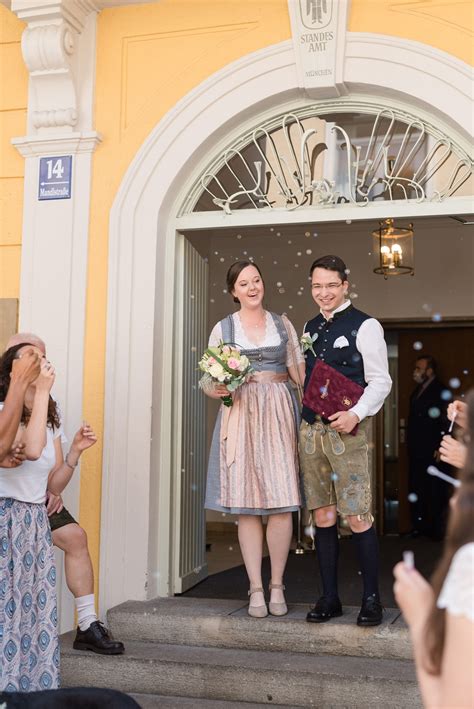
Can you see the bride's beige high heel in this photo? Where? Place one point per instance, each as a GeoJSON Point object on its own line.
{"type": "Point", "coordinates": [277, 608]}
{"type": "Point", "coordinates": [257, 611]}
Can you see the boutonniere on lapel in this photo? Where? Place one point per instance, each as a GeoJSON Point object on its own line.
{"type": "Point", "coordinates": [307, 341]}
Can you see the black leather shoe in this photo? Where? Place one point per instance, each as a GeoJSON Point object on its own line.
{"type": "Point", "coordinates": [370, 613]}
{"type": "Point", "coordinates": [97, 639]}
{"type": "Point", "coordinates": [324, 610]}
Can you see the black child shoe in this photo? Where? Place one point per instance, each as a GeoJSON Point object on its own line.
{"type": "Point", "coordinates": [371, 612]}
{"type": "Point", "coordinates": [324, 610]}
{"type": "Point", "coordinates": [97, 639]}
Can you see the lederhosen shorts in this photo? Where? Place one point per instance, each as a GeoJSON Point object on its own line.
{"type": "Point", "coordinates": [335, 468]}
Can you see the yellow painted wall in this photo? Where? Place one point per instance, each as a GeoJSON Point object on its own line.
{"type": "Point", "coordinates": [13, 102]}
{"type": "Point", "coordinates": [444, 24]}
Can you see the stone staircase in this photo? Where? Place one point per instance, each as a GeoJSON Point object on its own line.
{"type": "Point", "coordinates": [189, 652]}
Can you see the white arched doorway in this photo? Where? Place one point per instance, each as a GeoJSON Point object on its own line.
{"type": "Point", "coordinates": [137, 524]}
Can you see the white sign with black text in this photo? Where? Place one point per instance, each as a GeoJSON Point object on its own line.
{"type": "Point", "coordinates": [319, 34]}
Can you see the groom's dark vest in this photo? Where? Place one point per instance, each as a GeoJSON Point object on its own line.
{"type": "Point", "coordinates": [347, 359]}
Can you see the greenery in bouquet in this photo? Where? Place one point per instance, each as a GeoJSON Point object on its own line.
{"type": "Point", "coordinates": [224, 364]}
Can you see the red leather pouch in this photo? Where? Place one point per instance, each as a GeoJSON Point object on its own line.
{"type": "Point", "coordinates": [329, 391]}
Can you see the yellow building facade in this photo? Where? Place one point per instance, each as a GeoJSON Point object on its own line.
{"type": "Point", "coordinates": [130, 70]}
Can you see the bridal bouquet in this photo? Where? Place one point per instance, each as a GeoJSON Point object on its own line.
{"type": "Point", "coordinates": [226, 365]}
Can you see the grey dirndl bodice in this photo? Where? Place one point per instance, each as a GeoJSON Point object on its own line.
{"type": "Point", "coordinates": [263, 358]}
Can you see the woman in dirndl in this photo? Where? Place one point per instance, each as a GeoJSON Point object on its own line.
{"type": "Point", "coordinates": [253, 464]}
{"type": "Point", "coordinates": [29, 647]}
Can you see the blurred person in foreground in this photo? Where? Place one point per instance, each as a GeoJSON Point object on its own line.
{"type": "Point", "coordinates": [440, 615]}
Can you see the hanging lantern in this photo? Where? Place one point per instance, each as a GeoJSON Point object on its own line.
{"type": "Point", "coordinates": [393, 249]}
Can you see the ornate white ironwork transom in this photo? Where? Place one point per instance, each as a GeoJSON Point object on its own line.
{"type": "Point", "coordinates": [330, 155]}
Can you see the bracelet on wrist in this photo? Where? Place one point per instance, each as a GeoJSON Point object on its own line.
{"type": "Point", "coordinates": [70, 465]}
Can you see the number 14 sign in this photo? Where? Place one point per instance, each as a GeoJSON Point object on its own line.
{"type": "Point", "coordinates": [55, 177]}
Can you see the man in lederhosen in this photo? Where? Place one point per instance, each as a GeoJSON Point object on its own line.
{"type": "Point", "coordinates": [334, 463]}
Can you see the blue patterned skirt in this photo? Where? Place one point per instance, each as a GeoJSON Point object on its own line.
{"type": "Point", "coordinates": [29, 645]}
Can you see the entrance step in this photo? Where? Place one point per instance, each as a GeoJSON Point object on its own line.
{"type": "Point", "coordinates": [226, 624]}
{"type": "Point", "coordinates": [258, 676]}
{"type": "Point", "coordinates": [151, 701]}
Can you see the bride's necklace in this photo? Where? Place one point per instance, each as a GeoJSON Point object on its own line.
{"type": "Point", "coordinates": [261, 322]}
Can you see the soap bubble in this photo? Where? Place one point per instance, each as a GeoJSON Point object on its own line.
{"type": "Point", "coordinates": [434, 412]}
{"type": "Point", "coordinates": [334, 476]}
{"type": "Point", "coordinates": [426, 307]}
{"type": "Point", "coordinates": [224, 290]}
{"type": "Point", "coordinates": [465, 371]}
{"type": "Point", "coordinates": [298, 253]}
{"type": "Point", "coordinates": [290, 307]}
{"type": "Point", "coordinates": [296, 265]}
{"type": "Point", "coordinates": [221, 259]}
{"type": "Point", "coordinates": [354, 333]}
{"type": "Point", "coordinates": [412, 497]}
{"type": "Point", "coordinates": [299, 293]}
{"type": "Point", "coordinates": [289, 241]}
{"type": "Point", "coordinates": [446, 395]}
{"type": "Point", "coordinates": [309, 252]}
{"type": "Point", "coordinates": [347, 271]}
{"type": "Point", "coordinates": [245, 253]}
{"type": "Point", "coordinates": [239, 236]}
{"type": "Point", "coordinates": [216, 253]}
{"type": "Point", "coordinates": [192, 295]}
{"type": "Point", "coordinates": [437, 317]}
{"type": "Point", "coordinates": [354, 295]}
{"type": "Point", "coordinates": [454, 383]}
{"type": "Point", "coordinates": [306, 233]}
{"type": "Point", "coordinates": [275, 263]}
{"type": "Point", "coordinates": [281, 290]}
{"type": "Point", "coordinates": [279, 234]}
{"type": "Point", "coordinates": [417, 345]}
{"type": "Point", "coordinates": [193, 348]}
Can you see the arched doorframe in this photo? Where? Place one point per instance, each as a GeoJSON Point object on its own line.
{"type": "Point", "coordinates": [135, 559]}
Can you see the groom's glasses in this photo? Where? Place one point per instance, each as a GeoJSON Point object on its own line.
{"type": "Point", "coordinates": [317, 287]}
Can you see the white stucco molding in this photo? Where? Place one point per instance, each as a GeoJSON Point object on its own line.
{"type": "Point", "coordinates": [437, 84]}
{"type": "Point", "coordinates": [138, 437]}
{"type": "Point", "coordinates": [72, 143]}
{"type": "Point", "coordinates": [53, 51]}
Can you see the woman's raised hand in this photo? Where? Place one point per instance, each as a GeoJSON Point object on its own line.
{"type": "Point", "coordinates": [84, 438]}
{"type": "Point", "coordinates": [46, 377]}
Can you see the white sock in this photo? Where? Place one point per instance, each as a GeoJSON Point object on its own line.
{"type": "Point", "coordinates": [85, 608]}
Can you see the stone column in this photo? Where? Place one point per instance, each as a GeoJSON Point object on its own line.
{"type": "Point", "coordinates": [58, 46]}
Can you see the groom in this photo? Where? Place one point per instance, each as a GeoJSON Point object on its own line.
{"type": "Point", "coordinates": [334, 463]}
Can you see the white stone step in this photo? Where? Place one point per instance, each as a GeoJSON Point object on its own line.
{"type": "Point", "coordinates": [226, 624]}
{"type": "Point", "coordinates": [215, 673]}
